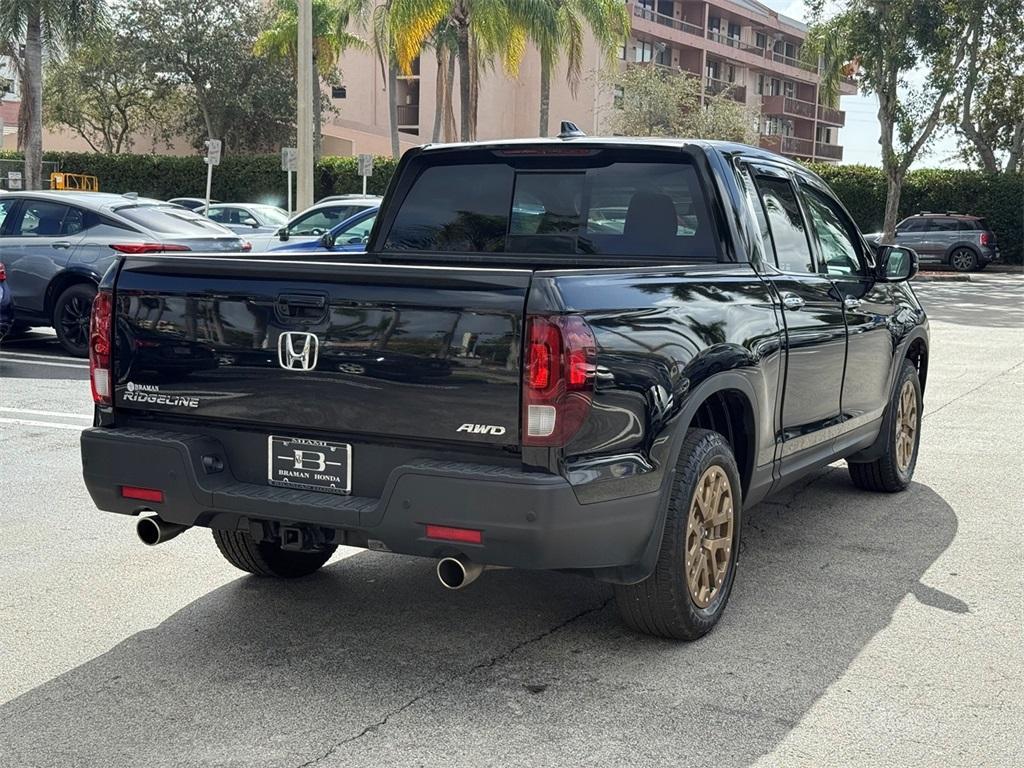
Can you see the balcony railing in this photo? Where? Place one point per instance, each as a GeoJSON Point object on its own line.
{"type": "Point", "coordinates": [829, 151]}
{"type": "Point", "coordinates": [788, 145]}
{"type": "Point", "coordinates": [734, 42]}
{"type": "Point", "coordinates": [787, 105]}
{"type": "Point", "coordinates": [832, 116]}
{"type": "Point", "coordinates": [648, 14]}
{"type": "Point", "coordinates": [714, 87]}
{"type": "Point", "coordinates": [782, 58]}
{"type": "Point", "coordinates": [408, 115]}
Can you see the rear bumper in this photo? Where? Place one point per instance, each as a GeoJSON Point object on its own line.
{"type": "Point", "coordinates": [528, 520]}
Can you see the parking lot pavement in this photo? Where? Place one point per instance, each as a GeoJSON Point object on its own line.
{"type": "Point", "coordinates": [864, 629]}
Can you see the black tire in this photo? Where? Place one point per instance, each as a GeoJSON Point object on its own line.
{"type": "Point", "coordinates": [963, 259]}
{"type": "Point", "coordinates": [71, 318]}
{"type": "Point", "coordinates": [264, 558]}
{"type": "Point", "coordinates": [662, 604]}
{"type": "Point", "coordinates": [888, 473]}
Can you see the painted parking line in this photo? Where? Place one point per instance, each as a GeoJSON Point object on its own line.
{"type": "Point", "coordinates": [58, 358]}
{"type": "Point", "coordinates": [33, 423]}
{"type": "Point", "coordinates": [61, 414]}
{"type": "Point", "coordinates": [23, 361]}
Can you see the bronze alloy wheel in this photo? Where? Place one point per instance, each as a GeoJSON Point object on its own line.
{"type": "Point", "coordinates": [906, 426]}
{"type": "Point", "coordinates": [709, 534]}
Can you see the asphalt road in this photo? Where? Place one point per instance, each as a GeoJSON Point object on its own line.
{"type": "Point", "coordinates": [864, 630]}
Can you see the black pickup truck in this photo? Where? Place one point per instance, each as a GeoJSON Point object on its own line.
{"type": "Point", "coordinates": [584, 355]}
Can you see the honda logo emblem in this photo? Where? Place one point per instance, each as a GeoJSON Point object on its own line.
{"type": "Point", "coordinates": [297, 351]}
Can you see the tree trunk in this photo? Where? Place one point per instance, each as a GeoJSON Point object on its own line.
{"type": "Point", "coordinates": [894, 189]}
{"type": "Point", "coordinates": [393, 106]}
{"type": "Point", "coordinates": [440, 87]}
{"type": "Point", "coordinates": [545, 94]}
{"type": "Point", "coordinates": [449, 109]}
{"type": "Point", "coordinates": [1015, 160]}
{"type": "Point", "coordinates": [33, 95]}
{"type": "Point", "coordinates": [465, 77]}
{"type": "Point", "coordinates": [318, 115]}
{"type": "Point", "coordinates": [474, 86]}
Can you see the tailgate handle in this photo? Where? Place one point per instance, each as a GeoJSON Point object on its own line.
{"type": "Point", "coordinates": [305, 307]}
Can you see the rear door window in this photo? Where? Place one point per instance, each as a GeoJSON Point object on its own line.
{"type": "Point", "coordinates": [575, 204]}
{"type": "Point", "coordinates": [942, 225]}
{"type": "Point", "coordinates": [43, 218]}
{"type": "Point", "coordinates": [785, 221]}
{"type": "Point", "coordinates": [170, 220]}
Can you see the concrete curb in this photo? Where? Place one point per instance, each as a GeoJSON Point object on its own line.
{"type": "Point", "coordinates": [941, 277]}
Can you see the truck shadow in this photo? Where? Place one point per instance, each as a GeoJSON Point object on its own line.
{"type": "Point", "coordinates": [371, 662]}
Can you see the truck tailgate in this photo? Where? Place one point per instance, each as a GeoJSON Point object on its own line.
{"type": "Point", "coordinates": [317, 345]}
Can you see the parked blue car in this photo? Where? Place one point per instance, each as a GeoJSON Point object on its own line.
{"type": "Point", "coordinates": [6, 305]}
{"type": "Point", "coordinates": [350, 235]}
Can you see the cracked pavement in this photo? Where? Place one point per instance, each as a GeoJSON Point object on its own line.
{"type": "Point", "coordinates": [864, 629]}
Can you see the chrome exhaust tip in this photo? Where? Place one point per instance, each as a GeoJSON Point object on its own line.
{"type": "Point", "coordinates": [152, 530]}
{"type": "Point", "coordinates": [457, 572]}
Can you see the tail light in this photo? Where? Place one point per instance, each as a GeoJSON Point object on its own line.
{"type": "Point", "coordinates": [3, 272]}
{"type": "Point", "coordinates": [246, 246]}
{"type": "Point", "coordinates": [986, 238]}
{"type": "Point", "coordinates": [558, 378]}
{"type": "Point", "coordinates": [135, 248]}
{"type": "Point", "coordinates": [100, 344]}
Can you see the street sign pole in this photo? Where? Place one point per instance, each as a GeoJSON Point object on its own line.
{"type": "Point", "coordinates": [365, 168]}
{"type": "Point", "coordinates": [213, 147]}
{"type": "Point", "coordinates": [289, 206]}
{"type": "Point", "coordinates": [289, 163]}
{"type": "Point", "coordinates": [304, 107]}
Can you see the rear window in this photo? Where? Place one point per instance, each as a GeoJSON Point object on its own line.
{"type": "Point", "coordinates": [584, 204]}
{"type": "Point", "coordinates": [170, 220]}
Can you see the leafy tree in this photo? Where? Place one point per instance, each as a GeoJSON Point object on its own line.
{"type": "Point", "coordinates": [987, 112]}
{"type": "Point", "coordinates": [330, 38]}
{"type": "Point", "coordinates": [104, 94]}
{"type": "Point", "coordinates": [560, 26]}
{"type": "Point", "coordinates": [53, 25]}
{"type": "Point", "coordinates": [205, 49]}
{"type": "Point", "coordinates": [654, 101]}
{"type": "Point", "coordinates": [882, 42]}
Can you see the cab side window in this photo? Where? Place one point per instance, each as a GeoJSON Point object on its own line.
{"type": "Point", "coordinates": [837, 239]}
{"type": "Point", "coordinates": [788, 230]}
{"type": "Point", "coordinates": [42, 218]}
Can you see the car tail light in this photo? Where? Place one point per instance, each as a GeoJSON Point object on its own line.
{"type": "Point", "coordinates": [100, 339]}
{"type": "Point", "coordinates": [3, 272]}
{"type": "Point", "coordinates": [462, 535]}
{"type": "Point", "coordinates": [986, 238]}
{"type": "Point", "coordinates": [142, 494]}
{"type": "Point", "coordinates": [134, 248]}
{"type": "Point", "coordinates": [246, 246]}
{"type": "Point", "coordinates": [558, 378]}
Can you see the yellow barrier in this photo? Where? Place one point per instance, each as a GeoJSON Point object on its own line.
{"type": "Point", "coordinates": [79, 181]}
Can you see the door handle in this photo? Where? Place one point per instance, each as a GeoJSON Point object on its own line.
{"type": "Point", "coordinates": [851, 303]}
{"type": "Point", "coordinates": [60, 244]}
{"type": "Point", "coordinates": [792, 302]}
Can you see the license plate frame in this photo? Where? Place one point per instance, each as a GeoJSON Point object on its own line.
{"type": "Point", "coordinates": [308, 464]}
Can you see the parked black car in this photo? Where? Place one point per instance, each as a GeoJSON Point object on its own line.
{"type": "Point", "coordinates": [57, 245]}
{"type": "Point", "coordinates": [635, 341]}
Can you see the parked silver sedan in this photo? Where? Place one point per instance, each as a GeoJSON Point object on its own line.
{"type": "Point", "coordinates": [248, 218]}
{"type": "Point", "coordinates": [56, 247]}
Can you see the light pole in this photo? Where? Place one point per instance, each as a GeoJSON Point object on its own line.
{"type": "Point", "coordinates": [304, 175]}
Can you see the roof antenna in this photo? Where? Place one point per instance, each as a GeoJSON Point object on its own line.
{"type": "Point", "coordinates": [570, 131]}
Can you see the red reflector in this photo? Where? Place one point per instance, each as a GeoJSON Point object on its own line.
{"type": "Point", "coordinates": [985, 238]}
{"type": "Point", "coordinates": [464, 535]}
{"type": "Point", "coordinates": [142, 494]}
{"type": "Point", "coordinates": [3, 272]}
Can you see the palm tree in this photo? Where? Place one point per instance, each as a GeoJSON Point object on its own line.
{"type": "Point", "coordinates": [561, 27]}
{"type": "Point", "coordinates": [52, 25]}
{"type": "Point", "coordinates": [483, 31]}
{"type": "Point", "coordinates": [330, 39]}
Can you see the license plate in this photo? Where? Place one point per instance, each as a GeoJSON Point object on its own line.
{"type": "Point", "coordinates": [309, 465]}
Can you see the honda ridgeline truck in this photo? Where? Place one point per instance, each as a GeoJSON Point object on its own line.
{"type": "Point", "coordinates": [583, 355]}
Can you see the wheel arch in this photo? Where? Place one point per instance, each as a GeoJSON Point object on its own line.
{"type": "Point", "coordinates": [63, 281]}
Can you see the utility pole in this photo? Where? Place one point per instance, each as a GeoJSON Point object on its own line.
{"type": "Point", "coordinates": [304, 180]}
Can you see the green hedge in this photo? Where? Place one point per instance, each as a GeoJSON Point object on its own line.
{"type": "Point", "coordinates": [997, 197]}
{"type": "Point", "coordinates": [256, 178]}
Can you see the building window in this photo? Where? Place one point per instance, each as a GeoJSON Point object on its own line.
{"type": "Point", "coordinates": [734, 31]}
{"type": "Point", "coordinates": [339, 92]}
{"type": "Point", "coordinates": [776, 87]}
{"type": "Point", "coordinates": [824, 134]}
{"type": "Point", "coordinates": [730, 73]}
{"type": "Point", "coordinates": [714, 23]}
{"type": "Point", "coordinates": [761, 40]}
{"type": "Point", "coordinates": [622, 52]}
{"type": "Point", "coordinates": [788, 88]}
{"type": "Point", "coordinates": [714, 70]}
{"type": "Point", "coordinates": [644, 50]}
{"type": "Point", "coordinates": [760, 85]}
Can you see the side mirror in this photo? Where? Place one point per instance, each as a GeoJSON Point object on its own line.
{"type": "Point", "coordinates": [283, 233]}
{"type": "Point", "coordinates": [251, 223]}
{"type": "Point", "coordinates": [895, 263]}
{"type": "Point", "coordinates": [327, 241]}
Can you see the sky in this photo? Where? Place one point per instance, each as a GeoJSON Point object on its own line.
{"type": "Point", "coordinates": [859, 136]}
